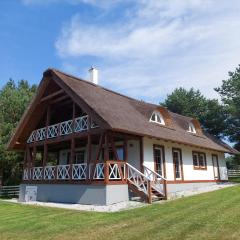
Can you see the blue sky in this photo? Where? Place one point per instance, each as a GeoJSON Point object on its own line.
{"type": "Point", "coordinates": [142, 48]}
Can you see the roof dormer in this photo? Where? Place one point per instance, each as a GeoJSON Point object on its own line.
{"type": "Point", "coordinates": [157, 118]}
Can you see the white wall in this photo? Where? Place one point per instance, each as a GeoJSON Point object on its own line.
{"type": "Point", "coordinates": [188, 171]}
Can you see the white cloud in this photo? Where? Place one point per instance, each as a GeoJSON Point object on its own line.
{"type": "Point", "coordinates": [159, 46]}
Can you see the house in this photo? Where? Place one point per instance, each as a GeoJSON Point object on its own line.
{"type": "Point", "coordinates": [86, 144]}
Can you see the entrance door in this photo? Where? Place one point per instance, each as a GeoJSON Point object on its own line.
{"type": "Point", "coordinates": [159, 159]}
{"type": "Point", "coordinates": [177, 164]}
{"type": "Point", "coordinates": [215, 167]}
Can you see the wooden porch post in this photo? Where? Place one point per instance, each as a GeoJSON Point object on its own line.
{"type": "Point", "coordinates": [141, 155]}
{"type": "Point", "coordinates": [29, 162]}
{"type": "Point", "coordinates": [72, 154]}
{"type": "Point", "coordinates": [34, 156]}
{"type": "Point", "coordinates": [106, 158]}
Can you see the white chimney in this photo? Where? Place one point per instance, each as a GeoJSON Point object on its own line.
{"type": "Point", "coordinates": [93, 75]}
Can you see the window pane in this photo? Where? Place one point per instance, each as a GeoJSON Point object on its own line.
{"type": "Point", "coordinates": [79, 157]}
{"type": "Point", "coordinates": [120, 153]}
{"type": "Point", "coordinates": [195, 160]}
{"type": "Point", "coordinates": [153, 117]}
{"type": "Point", "coordinates": [158, 160]}
{"type": "Point", "coordinates": [201, 160]}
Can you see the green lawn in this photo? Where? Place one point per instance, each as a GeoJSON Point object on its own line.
{"type": "Point", "coordinates": [214, 215]}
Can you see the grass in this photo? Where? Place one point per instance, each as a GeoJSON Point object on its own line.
{"type": "Point", "coordinates": [214, 215]}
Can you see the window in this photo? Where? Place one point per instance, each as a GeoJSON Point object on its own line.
{"type": "Point", "coordinates": [199, 161]}
{"type": "Point", "coordinates": [158, 152]}
{"type": "Point", "coordinates": [177, 163]}
{"type": "Point", "coordinates": [191, 128]}
{"type": "Point", "coordinates": [79, 157]}
{"type": "Point", "coordinates": [119, 151]}
{"type": "Point", "coordinates": [157, 118]}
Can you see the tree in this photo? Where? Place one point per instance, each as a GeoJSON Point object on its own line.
{"type": "Point", "coordinates": [14, 99]}
{"type": "Point", "coordinates": [230, 95]}
{"type": "Point", "coordinates": [192, 103]}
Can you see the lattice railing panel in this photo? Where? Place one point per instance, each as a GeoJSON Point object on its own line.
{"type": "Point", "coordinates": [37, 173]}
{"type": "Point", "coordinates": [81, 124]}
{"type": "Point", "coordinates": [49, 172]}
{"type": "Point", "coordinates": [53, 131]}
{"type": "Point", "coordinates": [79, 171]}
{"type": "Point", "coordinates": [99, 171]}
{"type": "Point", "coordinates": [63, 172]}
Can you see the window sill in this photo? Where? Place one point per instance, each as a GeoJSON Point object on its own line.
{"type": "Point", "coordinates": [200, 168]}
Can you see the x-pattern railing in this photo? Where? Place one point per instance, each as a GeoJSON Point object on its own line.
{"type": "Point", "coordinates": [52, 131]}
{"type": "Point", "coordinates": [99, 171]}
{"type": "Point", "coordinates": [138, 179]}
{"type": "Point", "coordinates": [63, 172]}
{"type": "Point", "coordinates": [37, 173]}
{"type": "Point", "coordinates": [25, 174]}
{"type": "Point", "coordinates": [49, 172]}
{"type": "Point", "coordinates": [40, 134]}
{"type": "Point", "coordinates": [79, 171]}
{"type": "Point", "coordinates": [114, 171]}
{"type": "Point", "coordinates": [158, 181]}
{"type": "Point", "coordinates": [66, 127]}
{"type": "Point", "coordinates": [79, 124]}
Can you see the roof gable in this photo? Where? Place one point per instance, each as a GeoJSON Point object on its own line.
{"type": "Point", "coordinates": [115, 111]}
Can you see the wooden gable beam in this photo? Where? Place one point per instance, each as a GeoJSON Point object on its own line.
{"type": "Point", "coordinates": [59, 99]}
{"type": "Point", "coordinates": [52, 95]}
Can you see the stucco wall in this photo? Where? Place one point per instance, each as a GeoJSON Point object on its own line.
{"type": "Point", "coordinates": [83, 194]}
{"type": "Point", "coordinates": [188, 171]}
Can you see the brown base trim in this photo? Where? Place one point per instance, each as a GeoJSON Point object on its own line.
{"type": "Point", "coordinates": [77, 182]}
{"type": "Point", "coordinates": [194, 181]}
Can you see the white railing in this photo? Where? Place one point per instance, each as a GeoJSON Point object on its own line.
{"type": "Point", "coordinates": [79, 171]}
{"type": "Point", "coordinates": [40, 134]}
{"type": "Point", "coordinates": [25, 174]}
{"type": "Point", "coordinates": [138, 179]}
{"type": "Point", "coordinates": [66, 127]}
{"type": "Point", "coordinates": [79, 124]}
{"type": "Point", "coordinates": [158, 181]}
{"type": "Point", "coordinates": [99, 171]}
{"type": "Point", "coordinates": [63, 172]}
{"type": "Point", "coordinates": [49, 172]}
{"type": "Point", "coordinates": [52, 131]}
{"type": "Point", "coordinates": [37, 173]}
{"type": "Point", "coordinates": [114, 171]}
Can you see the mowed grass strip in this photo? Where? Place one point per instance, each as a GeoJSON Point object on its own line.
{"type": "Point", "coordinates": [214, 215]}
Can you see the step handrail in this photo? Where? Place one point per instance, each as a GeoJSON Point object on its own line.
{"type": "Point", "coordinates": [136, 170]}
{"type": "Point", "coordinates": [155, 173]}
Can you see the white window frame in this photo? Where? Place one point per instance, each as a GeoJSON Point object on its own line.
{"type": "Point", "coordinates": [191, 128]}
{"type": "Point", "coordinates": [156, 115]}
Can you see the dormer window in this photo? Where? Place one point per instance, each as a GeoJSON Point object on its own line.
{"type": "Point", "coordinates": [191, 128]}
{"type": "Point", "coordinates": [157, 118]}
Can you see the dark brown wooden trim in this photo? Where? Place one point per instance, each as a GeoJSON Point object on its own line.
{"type": "Point", "coordinates": [125, 147]}
{"type": "Point", "coordinates": [219, 177]}
{"type": "Point", "coordinates": [141, 154]}
{"type": "Point", "coordinates": [79, 182]}
{"type": "Point", "coordinates": [52, 95]}
{"type": "Point", "coordinates": [154, 158]}
{"type": "Point", "coordinates": [194, 181]}
{"type": "Point", "coordinates": [181, 164]}
{"type": "Point", "coordinates": [59, 99]}
{"type": "Point", "coordinates": [205, 161]}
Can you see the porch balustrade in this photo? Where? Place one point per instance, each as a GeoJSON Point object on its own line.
{"type": "Point", "coordinates": [116, 171]}
{"type": "Point", "coordinates": [76, 125]}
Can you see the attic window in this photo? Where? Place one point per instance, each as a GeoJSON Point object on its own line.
{"type": "Point", "coordinates": [191, 128]}
{"type": "Point", "coordinates": [157, 118]}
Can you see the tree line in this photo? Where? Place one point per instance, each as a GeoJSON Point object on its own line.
{"type": "Point", "coordinates": [219, 118]}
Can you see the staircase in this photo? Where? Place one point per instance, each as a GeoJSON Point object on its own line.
{"type": "Point", "coordinates": [150, 186]}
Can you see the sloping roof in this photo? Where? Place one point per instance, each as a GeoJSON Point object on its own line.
{"type": "Point", "coordinates": [122, 113]}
